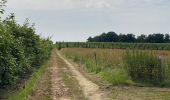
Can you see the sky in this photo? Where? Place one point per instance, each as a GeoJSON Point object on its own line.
{"type": "Point", "coordinates": [76, 20]}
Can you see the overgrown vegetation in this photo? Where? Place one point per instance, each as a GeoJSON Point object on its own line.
{"type": "Point", "coordinates": [121, 67]}
{"type": "Point", "coordinates": [30, 85]}
{"type": "Point", "coordinates": [106, 63]}
{"type": "Point", "coordinates": [21, 51]}
{"type": "Point", "coordinates": [145, 67]}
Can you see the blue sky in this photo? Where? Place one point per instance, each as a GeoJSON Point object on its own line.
{"type": "Point", "coordinates": [76, 20]}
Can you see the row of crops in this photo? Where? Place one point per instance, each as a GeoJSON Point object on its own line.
{"type": "Point", "coordinates": [21, 51]}
{"type": "Point", "coordinates": [114, 45]}
{"type": "Point", "coordinates": [124, 67]}
{"type": "Point", "coordinates": [141, 66]}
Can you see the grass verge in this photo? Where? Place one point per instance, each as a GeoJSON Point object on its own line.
{"type": "Point", "coordinates": [29, 86]}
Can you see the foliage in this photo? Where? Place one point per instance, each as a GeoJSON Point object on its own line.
{"type": "Point", "coordinates": [145, 67]}
{"type": "Point", "coordinates": [2, 5]}
{"type": "Point", "coordinates": [101, 62]}
{"type": "Point", "coordinates": [23, 93]}
{"type": "Point", "coordinates": [127, 67]}
{"type": "Point", "coordinates": [114, 37]}
{"type": "Point", "coordinates": [21, 50]}
{"type": "Point", "coordinates": [113, 45]}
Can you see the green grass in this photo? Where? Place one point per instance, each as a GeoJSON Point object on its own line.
{"type": "Point", "coordinates": [145, 67]}
{"type": "Point", "coordinates": [115, 77]}
{"type": "Point", "coordinates": [121, 67]}
{"type": "Point", "coordinates": [98, 62]}
{"type": "Point", "coordinates": [23, 93]}
{"type": "Point", "coordinates": [110, 66]}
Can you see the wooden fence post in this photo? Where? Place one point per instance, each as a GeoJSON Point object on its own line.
{"type": "Point", "coordinates": [95, 57]}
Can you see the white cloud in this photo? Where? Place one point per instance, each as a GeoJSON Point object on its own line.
{"type": "Point", "coordinates": [78, 4]}
{"type": "Point", "coordinates": [93, 16]}
{"type": "Point", "coordinates": [98, 4]}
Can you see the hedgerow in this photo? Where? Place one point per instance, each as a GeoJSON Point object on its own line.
{"type": "Point", "coordinates": [21, 50]}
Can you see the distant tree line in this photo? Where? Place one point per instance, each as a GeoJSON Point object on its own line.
{"type": "Point", "coordinates": [114, 37]}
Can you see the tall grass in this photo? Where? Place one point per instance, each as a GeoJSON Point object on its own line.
{"type": "Point", "coordinates": [119, 66]}
{"type": "Point", "coordinates": [145, 67]}
{"type": "Point", "coordinates": [104, 63]}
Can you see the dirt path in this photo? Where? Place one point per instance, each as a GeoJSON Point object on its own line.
{"type": "Point", "coordinates": [62, 81]}
{"type": "Point", "coordinates": [51, 86]}
{"type": "Point", "coordinates": [58, 89]}
{"type": "Point", "coordinates": [57, 83]}
{"type": "Point", "coordinates": [90, 89]}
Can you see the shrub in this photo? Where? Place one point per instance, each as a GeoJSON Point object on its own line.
{"type": "Point", "coordinates": [21, 50]}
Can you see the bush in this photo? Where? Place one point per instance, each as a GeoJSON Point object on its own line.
{"type": "Point", "coordinates": [21, 51]}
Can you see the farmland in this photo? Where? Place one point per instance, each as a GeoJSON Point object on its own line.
{"type": "Point", "coordinates": [111, 63]}
{"type": "Point", "coordinates": [106, 70]}
{"type": "Point", "coordinates": [111, 66]}
{"type": "Point", "coordinates": [36, 63]}
{"type": "Point", "coordinates": [114, 45]}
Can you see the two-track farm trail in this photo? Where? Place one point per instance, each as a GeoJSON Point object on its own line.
{"type": "Point", "coordinates": [62, 81]}
{"type": "Point", "coordinates": [90, 89]}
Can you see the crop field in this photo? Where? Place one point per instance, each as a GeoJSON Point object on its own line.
{"type": "Point", "coordinates": [144, 68]}
{"type": "Point", "coordinates": [84, 50]}
{"type": "Point", "coordinates": [114, 45]}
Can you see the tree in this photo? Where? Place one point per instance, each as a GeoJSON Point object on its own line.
{"type": "Point", "coordinates": [122, 38]}
{"type": "Point", "coordinates": [159, 38]}
{"type": "Point", "coordinates": [90, 39]}
{"type": "Point", "coordinates": [2, 5]}
{"type": "Point", "coordinates": [105, 37]}
{"type": "Point", "coordinates": [113, 37]}
{"type": "Point", "coordinates": [167, 38]}
{"type": "Point", "coordinates": [130, 38]}
{"type": "Point", "coordinates": [127, 38]}
{"type": "Point", "coordinates": [155, 38]}
{"type": "Point", "coordinates": [141, 38]}
{"type": "Point", "coordinates": [21, 50]}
